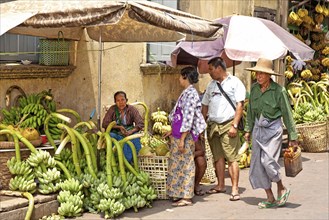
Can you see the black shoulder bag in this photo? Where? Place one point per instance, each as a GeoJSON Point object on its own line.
{"type": "Point", "coordinates": [241, 122]}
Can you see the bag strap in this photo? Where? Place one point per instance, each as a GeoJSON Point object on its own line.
{"type": "Point", "coordinates": [225, 95]}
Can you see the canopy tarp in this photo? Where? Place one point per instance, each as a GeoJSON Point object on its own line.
{"type": "Point", "coordinates": [117, 21]}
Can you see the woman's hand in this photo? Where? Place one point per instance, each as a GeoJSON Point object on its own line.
{"type": "Point", "coordinates": [123, 131]}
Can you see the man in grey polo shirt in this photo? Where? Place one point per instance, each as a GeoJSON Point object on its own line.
{"type": "Point", "coordinates": [222, 119]}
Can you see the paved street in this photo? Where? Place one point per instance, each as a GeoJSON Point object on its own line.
{"type": "Point", "coordinates": [308, 199]}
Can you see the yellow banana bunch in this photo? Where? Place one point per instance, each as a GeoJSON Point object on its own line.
{"type": "Point", "coordinates": [318, 8]}
{"type": "Point", "coordinates": [325, 51]}
{"type": "Point", "coordinates": [288, 59]}
{"type": "Point", "coordinates": [288, 74]}
{"type": "Point", "coordinates": [324, 76]}
{"type": "Point", "coordinates": [302, 12]}
{"type": "Point", "coordinates": [159, 116]}
{"type": "Point", "coordinates": [325, 62]}
{"type": "Point", "coordinates": [306, 74]}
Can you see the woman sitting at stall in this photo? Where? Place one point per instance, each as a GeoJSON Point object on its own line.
{"type": "Point", "coordinates": [128, 121]}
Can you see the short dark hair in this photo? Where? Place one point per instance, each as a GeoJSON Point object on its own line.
{"type": "Point", "coordinates": [190, 73]}
{"type": "Point", "coordinates": [217, 61]}
{"type": "Point", "coordinates": [120, 93]}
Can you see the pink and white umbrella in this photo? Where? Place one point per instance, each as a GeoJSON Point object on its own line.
{"type": "Point", "coordinates": [245, 39]}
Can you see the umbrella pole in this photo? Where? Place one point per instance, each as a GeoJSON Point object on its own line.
{"type": "Point", "coordinates": [233, 67]}
{"type": "Point", "coordinates": [99, 90]}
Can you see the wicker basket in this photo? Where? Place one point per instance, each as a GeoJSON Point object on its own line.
{"type": "Point", "coordinates": [314, 136]}
{"type": "Point", "coordinates": [157, 168]}
{"type": "Point", "coordinates": [7, 151]}
{"type": "Point", "coordinates": [54, 52]}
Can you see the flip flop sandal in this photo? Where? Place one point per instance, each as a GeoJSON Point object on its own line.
{"type": "Point", "coordinates": [214, 191]}
{"type": "Point", "coordinates": [199, 192]}
{"type": "Point", "coordinates": [265, 205]}
{"type": "Point", "coordinates": [235, 197]}
{"type": "Point", "coordinates": [181, 203]}
{"type": "Point", "coordinates": [283, 199]}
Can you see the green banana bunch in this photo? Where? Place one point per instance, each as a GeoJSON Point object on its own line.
{"type": "Point", "coordinates": [132, 189]}
{"type": "Point", "coordinates": [87, 180]}
{"type": "Point", "coordinates": [50, 176]}
{"type": "Point", "coordinates": [23, 183]}
{"type": "Point", "coordinates": [117, 181]}
{"type": "Point", "coordinates": [95, 197]}
{"type": "Point", "coordinates": [143, 178]}
{"type": "Point", "coordinates": [116, 209]}
{"type": "Point", "coordinates": [69, 210]}
{"type": "Point", "coordinates": [105, 204]}
{"type": "Point", "coordinates": [53, 216]}
{"type": "Point", "coordinates": [66, 196]}
{"type": "Point", "coordinates": [36, 115]}
{"type": "Point", "coordinates": [148, 192]}
{"type": "Point", "coordinates": [129, 201]}
{"type": "Point", "coordinates": [11, 116]}
{"type": "Point", "coordinates": [71, 185]}
{"type": "Point", "coordinates": [141, 202]}
{"type": "Point", "coordinates": [18, 168]}
{"type": "Point", "coordinates": [131, 178]}
{"type": "Point", "coordinates": [48, 188]}
{"type": "Point", "coordinates": [36, 158]}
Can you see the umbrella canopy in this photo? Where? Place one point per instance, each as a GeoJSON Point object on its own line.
{"type": "Point", "coordinates": [245, 39]}
{"type": "Point", "coordinates": [116, 21]}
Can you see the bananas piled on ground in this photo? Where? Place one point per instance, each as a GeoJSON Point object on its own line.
{"type": "Point", "coordinates": [70, 198]}
{"type": "Point", "coordinates": [111, 207]}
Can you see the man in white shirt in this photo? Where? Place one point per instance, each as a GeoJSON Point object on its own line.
{"type": "Point", "coordinates": [222, 119]}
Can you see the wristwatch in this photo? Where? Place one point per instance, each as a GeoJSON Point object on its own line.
{"type": "Point", "coordinates": [235, 126]}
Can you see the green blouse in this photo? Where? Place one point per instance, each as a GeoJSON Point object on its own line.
{"type": "Point", "coordinates": [272, 104]}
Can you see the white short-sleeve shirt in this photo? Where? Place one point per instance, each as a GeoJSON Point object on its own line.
{"type": "Point", "coordinates": [219, 109]}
